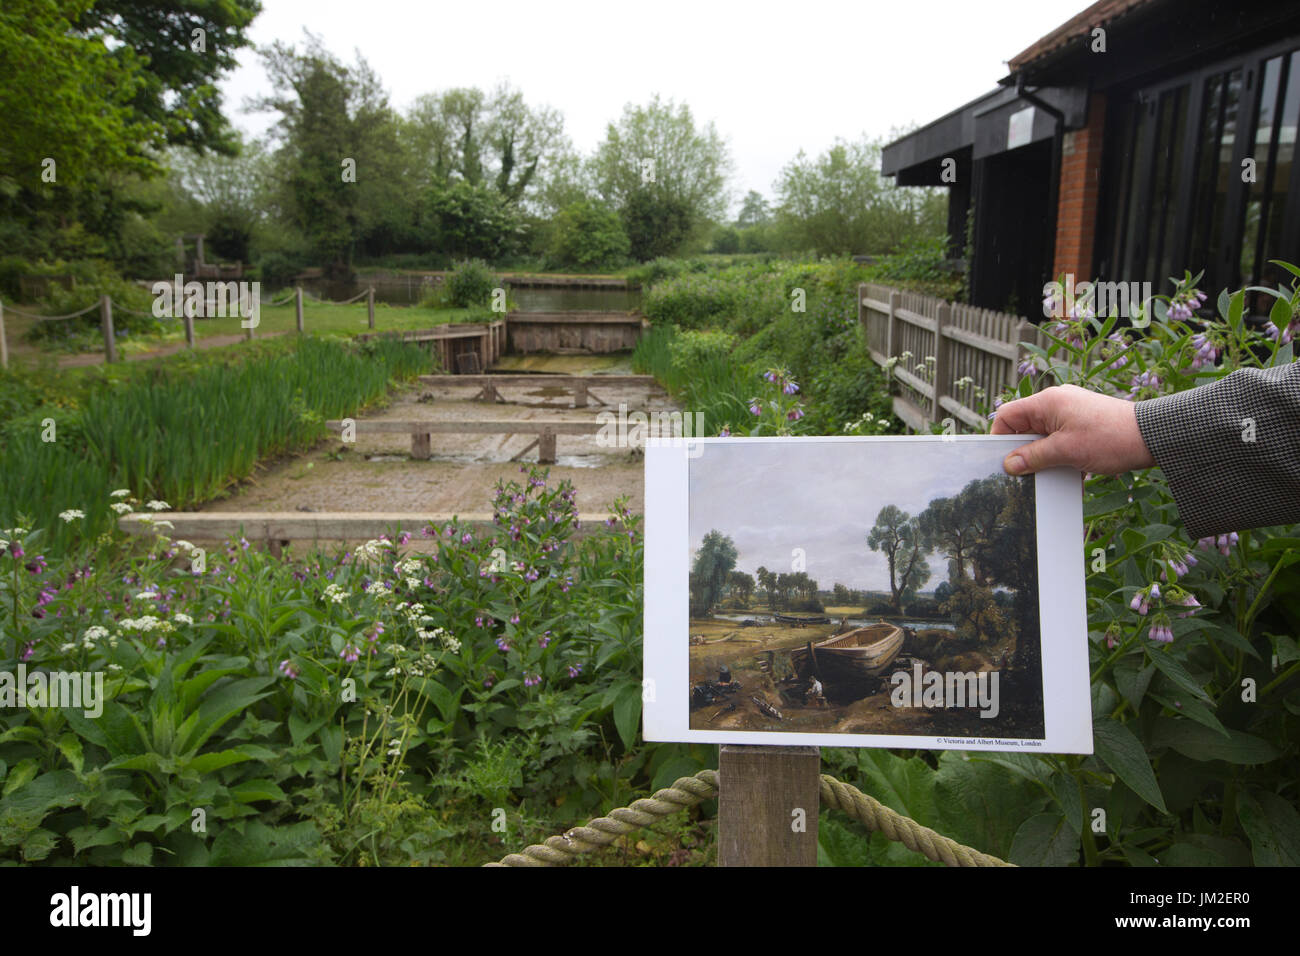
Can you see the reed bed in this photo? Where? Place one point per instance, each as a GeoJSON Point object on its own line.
{"type": "Point", "coordinates": [184, 435]}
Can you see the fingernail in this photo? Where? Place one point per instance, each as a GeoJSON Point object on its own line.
{"type": "Point", "coordinates": [1015, 464]}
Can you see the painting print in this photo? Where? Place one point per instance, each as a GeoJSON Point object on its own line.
{"type": "Point", "coordinates": [869, 591]}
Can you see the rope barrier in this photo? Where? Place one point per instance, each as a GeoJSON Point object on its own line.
{"type": "Point", "coordinates": [51, 318]}
{"type": "Point", "coordinates": [687, 792]}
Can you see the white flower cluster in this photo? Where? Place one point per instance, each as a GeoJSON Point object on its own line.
{"type": "Point", "coordinates": [336, 594]}
{"type": "Point", "coordinates": [157, 505]}
{"type": "Point", "coordinates": [146, 624]}
{"type": "Point", "coordinates": [121, 508]}
{"type": "Point", "coordinates": [182, 619]}
{"type": "Point", "coordinates": [374, 549]}
{"type": "Point", "coordinates": [120, 493]}
{"type": "Point", "coordinates": [149, 595]}
{"type": "Point", "coordinates": [378, 589]}
{"type": "Point", "coordinates": [71, 514]}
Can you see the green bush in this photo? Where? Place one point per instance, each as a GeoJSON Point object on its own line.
{"type": "Point", "coordinates": [589, 235]}
{"type": "Point", "coordinates": [471, 284]}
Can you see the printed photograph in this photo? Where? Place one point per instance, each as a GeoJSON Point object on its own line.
{"type": "Point", "coordinates": [868, 587]}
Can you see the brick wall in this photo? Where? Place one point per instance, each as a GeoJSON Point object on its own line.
{"type": "Point", "coordinates": [1076, 210]}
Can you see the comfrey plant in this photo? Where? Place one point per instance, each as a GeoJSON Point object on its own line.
{"type": "Point", "coordinates": [1194, 663]}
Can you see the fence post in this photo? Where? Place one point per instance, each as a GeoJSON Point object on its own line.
{"type": "Point", "coordinates": [370, 306]}
{"type": "Point", "coordinates": [106, 321]}
{"type": "Point", "coordinates": [297, 305]}
{"type": "Point", "coordinates": [894, 298]}
{"type": "Point", "coordinates": [248, 332]}
{"type": "Point", "coordinates": [4, 345]}
{"type": "Point", "coordinates": [942, 320]}
{"type": "Point", "coordinates": [187, 316]}
{"type": "Point", "coordinates": [767, 805]}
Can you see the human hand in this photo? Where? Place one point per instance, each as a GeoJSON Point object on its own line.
{"type": "Point", "coordinates": [1085, 430]}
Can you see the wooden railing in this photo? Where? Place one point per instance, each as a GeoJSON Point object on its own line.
{"type": "Point", "coordinates": [935, 346]}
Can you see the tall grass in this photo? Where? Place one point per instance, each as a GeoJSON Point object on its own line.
{"type": "Point", "coordinates": [185, 435]}
{"type": "Point", "coordinates": [707, 382]}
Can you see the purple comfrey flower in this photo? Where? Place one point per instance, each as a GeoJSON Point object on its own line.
{"type": "Point", "coordinates": [544, 640]}
{"type": "Point", "coordinates": [1027, 367]}
{"type": "Point", "coordinates": [1147, 379]}
{"type": "Point", "coordinates": [532, 575]}
{"type": "Point", "coordinates": [568, 583]}
{"type": "Point", "coordinates": [1189, 601]}
{"type": "Point", "coordinates": [532, 680]}
{"type": "Point", "coordinates": [162, 642]}
{"type": "Point", "coordinates": [725, 433]}
{"type": "Point", "coordinates": [514, 619]}
{"type": "Point", "coordinates": [404, 537]}
{"type": "Point", "coordinates": [754, 407]}
{"type": "Point", "coordinates": [575, 670]}
{"type": "Point", "coordinates": [790, 388]}
{"type": "Point", "coordinates": [1161, 632]}
{"type": "Point", "coordinates": [502, 644]}
{"type": "Point", "coordinates": [770, 375]}
{"type": "Point", "coordinates": [466, 538]}
{"type": "Point", "coordinates": [1154, 591]}
{"type": "Point", "coordinates": [350, 653]}
{"type": "Point", "coordinates": [28, 651]}
{"type": "Point", "coordinates": [1140, 603]}
{"type": "Point", "coordinates": [37, 565]}
{"type": "Point", "coordinates": [478, 620]}
{"type": "Point", "coordinates": [795, 413]}
{"type": "Point", "coordinates": [288, 670]}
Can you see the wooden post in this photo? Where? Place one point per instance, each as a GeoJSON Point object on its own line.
{"type": "Point", "coordinates": [106, 321]}
{"type": "Point", "coordinates": [370, 306]}
{"type": "Point", "coordinates": [187, 316]}
{"type": "Point", "coordinates": [297, 305]}
{"type": "Point", "coordinates": [580, 395]}
{"type": "Point", "coordinates": [546, 447]}
{"type": "Point", "coordinates": [767, 805]}
{"type": "Point", "coordinates": [244, 307]}
{"type": "Point", "coordinates": [421, 446]}
{"type": "Point", "coordinates": [894, 298]}
{"type": "Point", "coordinates": [4, 345]}
{"type": "Point", "coordinates": [940, 370]}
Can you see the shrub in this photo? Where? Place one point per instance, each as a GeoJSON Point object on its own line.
{"type": "Point", "coordinates": [471, 283]}
{"type": "Point", "coordinates": [589, 235]}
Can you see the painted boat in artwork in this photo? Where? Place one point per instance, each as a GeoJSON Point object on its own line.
{"type": "Point", "coordinates": [860, 653]}
{"type": "Point", "coordinates": [789, 619]}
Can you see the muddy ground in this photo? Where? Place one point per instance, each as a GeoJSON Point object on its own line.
{"type": "Point", "coordinates": [872, 713]}
{"type": "Point", "coordinates": [377, 473]}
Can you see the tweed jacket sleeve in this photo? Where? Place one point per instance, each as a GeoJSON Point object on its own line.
{"type": "Point", "coordinates": [1230, 450]}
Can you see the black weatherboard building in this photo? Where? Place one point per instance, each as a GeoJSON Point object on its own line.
{"type": "Point", "coordinates": [1139, 139]}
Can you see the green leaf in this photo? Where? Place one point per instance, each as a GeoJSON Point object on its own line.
{"type": "Point", "coordinates": [1272, 825]}
{"type": "Point", "coordinates": [627, 714]}
{"type": "Point", "coordinates": [1124, 755]}
{"type": "Point", "coordinates": [139, 855]}
{"type": "Point", "coordinates": [1171, 668]}
{"type": "Point", "coordinates": [260, 845]}
{"type": "Point", "coordinates": [206, 763]}
{"type": "Point", "coordinates": [300, 728]}
{"type": "Point", "coordinates": [1201, 743]}
{"type": "Point", "coordinates": [1045, 840]}
{"type": "Point", "coordinates": [1193, 710]}
{"type": "Point", "coordinates": [23, 772]}
{"type": "Point", "coordinates": [251, 791]}
{"type": "Point", "coordinates": [70, 746]}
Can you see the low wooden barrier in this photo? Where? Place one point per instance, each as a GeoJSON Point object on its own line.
{"type": "Point", "coordinates": [580, 385]}
{"type": "Point", "coordinates": [421, 433]}
{"type": "Point", "coordinates": [585, 332]}
{"type": "Point", "coordinates": [278, 528]}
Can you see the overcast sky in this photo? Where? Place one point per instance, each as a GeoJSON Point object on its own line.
{"type": "Point", "coordinates": [774, 77]}
{"type": "Point", "coordinates": [771, 498]}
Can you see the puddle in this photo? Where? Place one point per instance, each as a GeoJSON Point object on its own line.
{"type": "Point", "coordinates": [388, 458]}
{"type": "Point", "coordinates": [561, 461]}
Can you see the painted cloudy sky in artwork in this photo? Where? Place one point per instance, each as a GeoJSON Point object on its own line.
{"type": "Point", "coordinates": [773, 497]}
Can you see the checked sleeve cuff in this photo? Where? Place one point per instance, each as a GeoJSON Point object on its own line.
{"type": "Point", "coordinates": [1230, 450]}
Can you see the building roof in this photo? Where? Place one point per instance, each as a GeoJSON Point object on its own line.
{"type": "Point", "coordinates": [1081, 24]}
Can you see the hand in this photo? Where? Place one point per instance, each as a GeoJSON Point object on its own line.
{"type": "Point", "coordinates": [1084, 430]}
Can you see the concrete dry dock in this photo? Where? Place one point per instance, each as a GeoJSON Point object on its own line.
{"type": "Point", "coordinates": [421, 432]}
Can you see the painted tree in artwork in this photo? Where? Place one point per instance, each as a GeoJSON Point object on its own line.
{"type": "Point", "coordinates": [950, 527]}
{"type": "Point", "coordinates": [899, 536]}
{"type": "Point", "coordinates": [715, 560]}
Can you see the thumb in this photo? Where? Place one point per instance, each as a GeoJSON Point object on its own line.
{"type": "Point", "coordinates": [1044, 453]}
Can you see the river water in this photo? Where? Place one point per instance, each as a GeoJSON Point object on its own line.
{"type": "Point", "coordinates": [855, 621]}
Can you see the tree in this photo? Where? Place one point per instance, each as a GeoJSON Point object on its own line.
{"type": "Point", "coordinates": [899, 537]}
{"type": "Point", "coordinates": [713, 563]}
{"type": "Point", "coordinates": [657, 149]}
{"type": "Point", "coordinates": [656, 224]}
{"type": "Point", "coordinates": [342, 165]}
{"type": "Point", "coordinates": [469, 221]}
{"type": "Point", "coordinates": [589, 235]}
{"type": "Point", "coordinates": [741, 586]}
{"type": "Point", "coordinates": [947, 524]}
{"type": "Point", "coordinates": [496, 140]}
{"type": "Point", "coordinates": [754, 211]}
{"type": "Point", "coordinates": [840, 204]}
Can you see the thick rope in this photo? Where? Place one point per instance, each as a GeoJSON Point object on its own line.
{"type": "Point", "coordinates": [688, 791]}
{"type": "Point", "coordinates": [51, 318]}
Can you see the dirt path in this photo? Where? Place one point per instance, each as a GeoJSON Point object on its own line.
{"type": "Point", "coordinates": [376, 472]}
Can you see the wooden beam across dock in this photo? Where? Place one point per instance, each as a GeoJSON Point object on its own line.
{"type": "Point", "coordinates": [422, 430]}
{"type": "Point", "coordinates": [580, 385]}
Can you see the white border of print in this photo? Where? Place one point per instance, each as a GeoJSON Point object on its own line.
{"type": "Point", "coordinates": [1067, 704]}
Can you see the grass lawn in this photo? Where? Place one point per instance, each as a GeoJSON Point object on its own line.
{"type": "Point", "coordinates": [327, 317]}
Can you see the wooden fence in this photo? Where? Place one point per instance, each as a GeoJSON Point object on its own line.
{"type": "Point", "coordinates": [950, 360]}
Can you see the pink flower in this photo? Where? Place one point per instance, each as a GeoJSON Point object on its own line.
{"type": "Point", "coordinates": [287, 669]}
